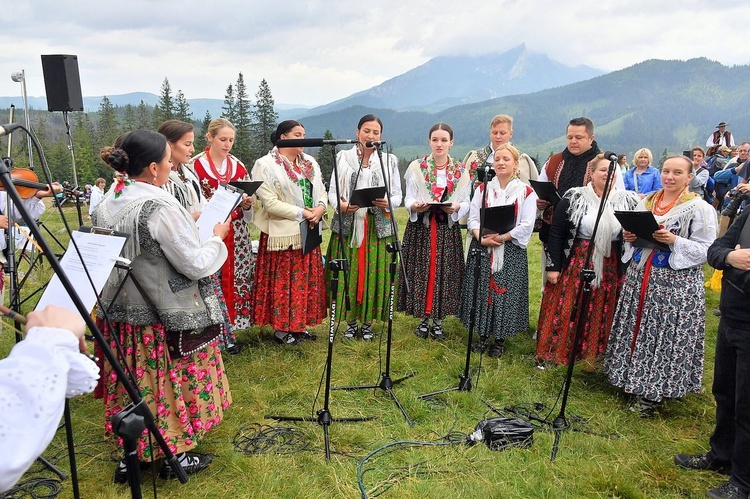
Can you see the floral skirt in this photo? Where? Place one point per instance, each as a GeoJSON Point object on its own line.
{"type": "Point", "coordinates": [664, 357]}
{"type": "Point", "coordinates": [289, 292]}
{"type": "Point", "coordinates": [448, 270]}
{"type": "Point", "coordinates": [555, 330]}
{"type": "Point", "coordinates": [237, 276]}
{"type": "Point", "coordinates": [187, 396]}
{"type": "Point", "coordinates": [369, 275]}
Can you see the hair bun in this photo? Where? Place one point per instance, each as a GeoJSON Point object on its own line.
{"type": "Point", "coordinates": [116, 158]}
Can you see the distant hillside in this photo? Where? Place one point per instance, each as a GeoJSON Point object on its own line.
{"type": "Point", "coordinates": [443, 82]}
{"type": "Point", "coordinates": [197, 106]}
{"type": "Point", "coordinates": [655, 104]}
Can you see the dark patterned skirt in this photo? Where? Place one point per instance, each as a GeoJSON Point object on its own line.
{"type": "Point", "coordinates": [555, 331]}
{"type": "Point", "coordinates": [289, 290]}
{"type": "Point", "coordinates": [665, 360]}
{"type": "Point", "coordinates": [503, 305]}
{"type": "Point", "coordinates": [448, 270]}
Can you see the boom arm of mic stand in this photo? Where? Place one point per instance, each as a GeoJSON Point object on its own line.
{"type": "Point", "coordinates": [134, 394]}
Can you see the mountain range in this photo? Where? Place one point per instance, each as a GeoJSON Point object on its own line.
{"type": "Point", "coordinates": [662, 105]}
{"type": "Point", "coordinates": [658, 104]}
{"type": "Point", "coordinates": [440, 83]}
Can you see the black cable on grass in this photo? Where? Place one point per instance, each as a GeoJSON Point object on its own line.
{"type": "Point", "coordinates": [258, 438]}
{"type": "Point", "coordinates": [452, 438]}
{"type": "Point", "coordinates": [36, 488]}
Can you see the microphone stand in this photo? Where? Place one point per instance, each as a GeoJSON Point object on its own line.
{"type": "Point", "coordinates": [140, 410]}
{"type": "Point", "coordinates": [587, 276]}
{"type": "Point", "coordinates": [324, 417]}
{"type": "Point", "coordinates": [464, 380]}
{"type": "Point", "coordinates": [394, 248]}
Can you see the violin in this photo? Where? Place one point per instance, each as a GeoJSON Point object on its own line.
{"type": "Point", "coordinates": [27, 183]}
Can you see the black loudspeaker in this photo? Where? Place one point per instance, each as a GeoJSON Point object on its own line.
{"type": "Point", "coordinates": [62, 82]}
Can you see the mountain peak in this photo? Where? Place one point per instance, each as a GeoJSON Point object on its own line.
{"type": "Point", "coordinates": [446, 81]}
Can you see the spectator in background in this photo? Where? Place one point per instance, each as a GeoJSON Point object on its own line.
{"type": "Point", "coordinates": [97, 193]}
{"type": "Point", "coordinates": [721, 137]}
{"type": "Point", "coordinates": [642, 178]}
{"type": "Point", "coordinates": [622, 162]}
{"type": "Point", "coordinates": [700, 171]}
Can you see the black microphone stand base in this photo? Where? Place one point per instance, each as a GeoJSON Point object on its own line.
{"type": "Point", "coordinates": [386, 383]}
{"type": "Point", "coordinates": [324, 418]}
{"type": "Point", "coordinates": [464, 385]}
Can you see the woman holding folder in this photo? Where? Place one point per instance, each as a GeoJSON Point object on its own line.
{"type": "Point", "coordinates": [366, 230]}
{"type": "Point", "coordinates": [214, 167]}
{"type": "Point", "coordinates": [289, 285]}
{"type": "Point", "coordinates": [437, 197]}
{"type": "Point", "coordinates": [187, 392]}
{"type": "Point", "coordinates": [570, 240]}
{"type": "Point", "coordinates": [655, 349]}
{"type": "Point", "coordinates": [502, 306]}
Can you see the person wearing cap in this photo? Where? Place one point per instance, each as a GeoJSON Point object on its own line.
{"type": "Point", "coordinates": [721, 137]}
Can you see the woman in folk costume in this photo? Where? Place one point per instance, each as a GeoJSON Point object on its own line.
{"type": "Point", "coordinates": [503, 302]}
{"type": "Point", "coordinates": [184, 185]}
{"type": "Point", "coordinates": [656, 346]}
{"type": "Point", "coordinates": [568, 245]}
{"type": "Point", "coordinates": [367, 231]}
{"type": "Point", "coordinates": [187, 394]}
{"type": "Point", "coordinates": [433, 249]}
{"type": "Point", "coordinates": [215, 166]}
{"type": "Point", "coordinates": [289, 292]}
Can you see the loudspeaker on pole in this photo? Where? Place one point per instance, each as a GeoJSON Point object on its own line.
{"type": "Point", "coordinates": [62, 82]}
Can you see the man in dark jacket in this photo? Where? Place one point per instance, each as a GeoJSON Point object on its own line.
{"type": "Point", "coordinates": [731, 438]}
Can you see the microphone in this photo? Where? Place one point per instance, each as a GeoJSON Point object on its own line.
{"type": "Point", "coordinates": [610, 156]}
{"type": "Point", "coordinates": [8, 129]}
{"type": "Point", "coordinates": [374, 143]}
{"type": "Point", "coordinates": [281, 143]}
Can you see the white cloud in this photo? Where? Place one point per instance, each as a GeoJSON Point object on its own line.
{"type": "Point", "coordinates": [312, 52]}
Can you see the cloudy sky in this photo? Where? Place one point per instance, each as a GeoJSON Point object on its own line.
{"type": "Point", "coordinates": [315, 51]}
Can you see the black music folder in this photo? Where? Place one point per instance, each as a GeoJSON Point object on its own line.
{"type": "Point", "coordinates": [248, 188]}
{"type": "Point", "coordinates": [364, 197]}
{"type": "Point", "coordinates": [499, 219]}
{"type": "Point", "coordinates": [312, 237]}
{"type": "Point", "coordinates": [643, 225]}
{"type": "Point", "coordinates": [546, 191]}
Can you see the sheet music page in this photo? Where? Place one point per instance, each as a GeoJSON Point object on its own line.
{"type": "Point", "coordinates": [217, 210]}
{"type": "Point", "coordinates": [99, 255]}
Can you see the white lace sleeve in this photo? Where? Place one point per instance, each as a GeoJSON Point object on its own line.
{"type": "Point", "coordinates": [692, 251]}
{"type": "Point", "coordinates": [182, 246]}
{"type": "Point", "coordinates": [35, 378]}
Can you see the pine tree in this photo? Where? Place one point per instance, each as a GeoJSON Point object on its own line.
{"type": "Point", "coordinates": [200, 139]}
{"type": "Point", "coordinates": [129, 121]}
{"type": "Point", "coordinates": [86, 151]}
{"type": "Point", "coordinates": [264, 119]}
{"type": "Point", "coordinates": [227, 110]}
{"type": "Point", "coordinates": [241, 122]}
{"type": "Point", "coordinates": [182, 108]}
{"type": "Point", "coordinates": [107, 129]}
{"type": "Point", "coordinates": [165, 108]}
{"type": "Point", "coordinates": [144, 117]}
{"type": "Point", "coordinates": [663, 158]}
{"type": "Point", "coordinates": [325, 157]}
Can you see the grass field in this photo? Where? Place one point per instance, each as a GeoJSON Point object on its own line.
{"type": "Point", "coordinates": [616, 454]}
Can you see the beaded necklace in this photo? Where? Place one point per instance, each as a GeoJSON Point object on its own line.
{"type": "Point", "coordinates": [221, 178]}
{"type": "Point", "coordinates": [302, 167]}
